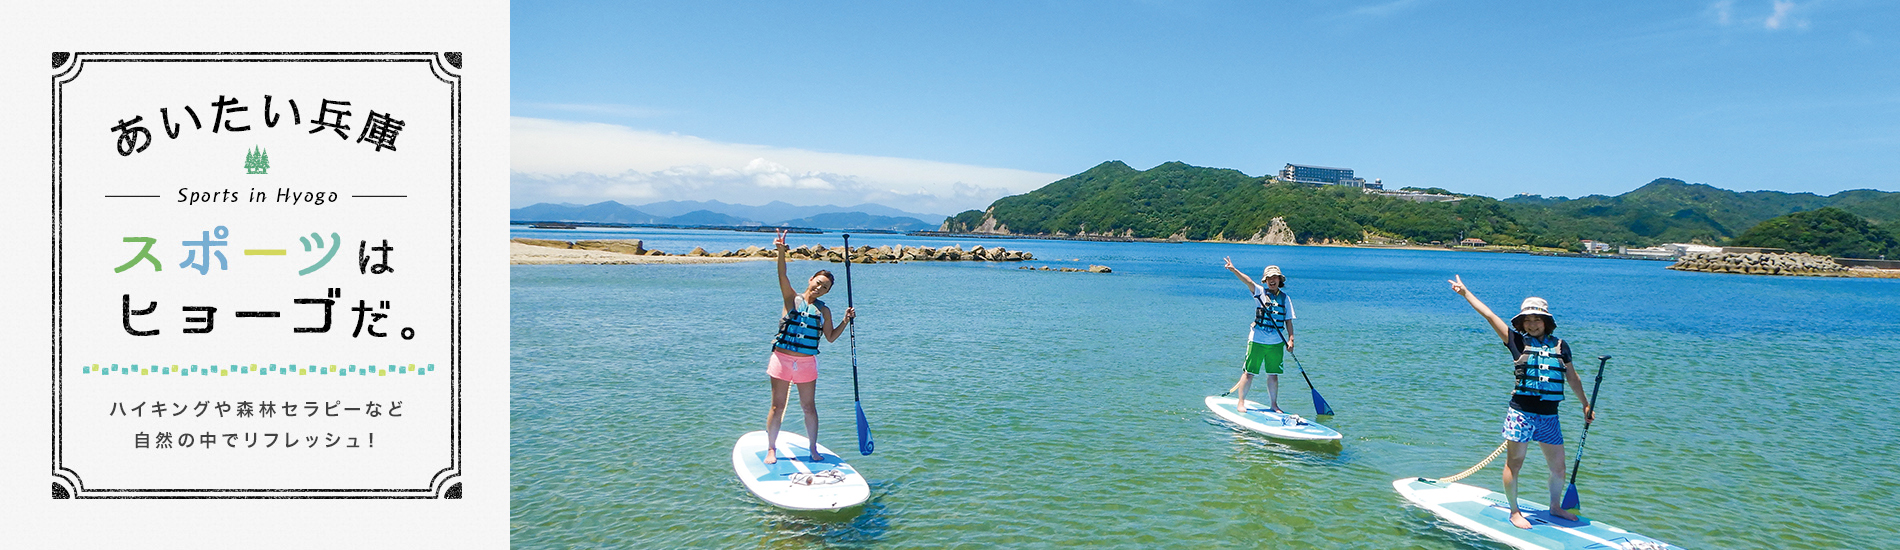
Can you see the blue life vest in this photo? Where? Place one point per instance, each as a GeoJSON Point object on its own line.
{"type": "Point", "coordinates": [1271, 317]}
{"type": "Point", "coordinates": [1540, 370]}
{"type": "Point", "coordinates": [800, 329]}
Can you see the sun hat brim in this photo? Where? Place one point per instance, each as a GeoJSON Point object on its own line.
{"type": "Point", "coordinates": [1533, 306]}
{"type": "Point", "coordinates": [1517, 322]}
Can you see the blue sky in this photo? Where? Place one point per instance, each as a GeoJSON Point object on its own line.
{"type": "Point", "coordinates": [941, 106]}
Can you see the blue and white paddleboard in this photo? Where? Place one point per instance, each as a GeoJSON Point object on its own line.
{"type": "Point", "coordinates": [795, 481]}
{"type": "Point", "coordinates": [1489, 514]}
{"type": "Point", "coordinates": [1272, 424]}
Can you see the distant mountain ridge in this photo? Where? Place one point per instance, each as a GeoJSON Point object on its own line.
{"type": "Point", "coordinates": [860, 220]}
{"type": "Point", "coordinates": [600, 212]}
{"type": "Point", "coordinates": [715, 213]}
{"type": "Point", "coordinates": [777, 211]}
{"type": "Point", "coordinates": [1176, 200]}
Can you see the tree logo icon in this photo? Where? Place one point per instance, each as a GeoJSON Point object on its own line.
{"type": "Point", "coordinates": [256, 161]}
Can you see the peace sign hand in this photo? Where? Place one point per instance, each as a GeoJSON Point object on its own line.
{"type": "Point", "coordinates": [780, 241]}
{"type": "Point", "coordinates": [1458, 285]}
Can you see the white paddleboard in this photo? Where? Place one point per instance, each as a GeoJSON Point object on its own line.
{"type": "Point", "coordinates": [1489, 514]}
{"type": "Point", "coordinates": [778, 483]}
{"type": "Point", "coordinates": [1269, 423]}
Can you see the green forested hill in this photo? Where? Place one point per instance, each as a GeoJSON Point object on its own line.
{"type": "Point", "coordinates": [1669, 210]}
{"type": "Point", "coordinates": [1827, 231]}
{"type": "Point", "coordinates": [1202, 203]}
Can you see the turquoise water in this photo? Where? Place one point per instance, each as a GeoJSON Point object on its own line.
{"type": "Point", "coordinates": [1019, 408]}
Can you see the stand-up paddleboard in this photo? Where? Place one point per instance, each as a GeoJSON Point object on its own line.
{"type": "Point", "coordinates": [795, 481]}
{"type": "Point", "coordinates": [1272, 424]}
{"type": "Point", "coordinates": [1489, 514]}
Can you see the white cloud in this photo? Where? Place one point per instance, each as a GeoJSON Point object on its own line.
{"type": "Point", "coordinates": [1723, 11]}
{"type": "Point", "coordinates": [600, 109]}
{"type": "Point", "coordinates": [1786, 14]}
{"type": "Point", "coordinates": [1388, 8]}
{"type": "Point", "coordinates": [1780, 16]}
{"type": "Point", "coordinates": [582, 162]}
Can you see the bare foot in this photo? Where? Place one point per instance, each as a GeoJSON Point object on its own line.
{"type": "Point", "coordinates": [1562, 513]}
{"type": "Point", "coordinates": [1518, 519]}
{"type": "Point", "coordinates": [815, 457]}
{"type": "Point", "coordinates": [771, 456]}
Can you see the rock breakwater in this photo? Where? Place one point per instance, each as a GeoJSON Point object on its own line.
{"type": "Point", "coordinates": [860, 254]}
{"type": "Point", "coordinates": [900, 253]}
{"type": "Point", "coordinates": [1759, 263]}
{"type": "Point", "coordinates": [1089, 269]}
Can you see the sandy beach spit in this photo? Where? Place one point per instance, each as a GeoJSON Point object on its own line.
{"type": "Point", "coordinates": [523, 254]}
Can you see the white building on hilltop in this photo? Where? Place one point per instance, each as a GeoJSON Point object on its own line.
{"type": "Point", "coordinates": [1325, 175]}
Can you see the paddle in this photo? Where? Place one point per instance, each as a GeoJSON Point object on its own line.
{"type": "Point", "coordinates": [1320, 407]}
{"type": "Point", "coordinates": [1571, 501]}
{"type": "Point", "coordinates": [1319, 403]}
{"type": "Point", "coordinates": [865, 445]}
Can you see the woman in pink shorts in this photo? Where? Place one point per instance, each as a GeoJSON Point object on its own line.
{"type": "Point", "coordinates": [795, 351]}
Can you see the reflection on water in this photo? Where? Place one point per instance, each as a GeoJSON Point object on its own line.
{"type": "Point", "coordinates": [853, 527]}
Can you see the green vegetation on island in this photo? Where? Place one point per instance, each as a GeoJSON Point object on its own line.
{"type": "Point", "coordinates": [1826, 231]}
{"type": "Point", "coordinates": [1670, 210]}
{"type": "Point", "coordinates": [1175, 200]}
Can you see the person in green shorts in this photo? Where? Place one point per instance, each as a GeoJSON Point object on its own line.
{"type": "Point", "coordinates": [1269, 339]}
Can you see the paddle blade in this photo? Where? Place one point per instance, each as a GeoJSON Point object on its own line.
{"type": "Point", "coordinates": [865, 445]}
{"type": "Point", "coordinates": [1570, 499]}
{"type": "Point", "coordinates": [1320, 405]}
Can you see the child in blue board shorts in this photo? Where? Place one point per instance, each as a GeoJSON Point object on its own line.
{"type": "Point", "coordinates": [1542, 364]}
{"type": "Point", "coordinates": [1270, 337]}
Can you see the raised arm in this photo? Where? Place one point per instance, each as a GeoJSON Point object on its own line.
{"type": "Point", "coordinates": [832, 331]}
{"type": "Point", "coordinates": [784, 284]}
{"type": "Point", "coordinates": [1251, 286]}
{"type": "Point", "coordinates": [1503, 330]}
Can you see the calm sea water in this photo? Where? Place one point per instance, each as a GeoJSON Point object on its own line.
{"type": "Point", "coordinates": [1019, 408]}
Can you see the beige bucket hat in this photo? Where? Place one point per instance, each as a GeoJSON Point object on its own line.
{"type": "Point", "coordinates": [1533, 306]}
{"type": "Point", "coordinates": [1272, 271]}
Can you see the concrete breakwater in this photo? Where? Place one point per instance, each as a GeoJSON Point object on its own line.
{"type": "Point", "coordinates": [1759, 263]}
{"type": "Point", "coordinates": [860, 254]}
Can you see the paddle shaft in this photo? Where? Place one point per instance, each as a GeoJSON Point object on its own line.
{"type": "Point", "coordinates": [853, 324]}
{"type": "Point", "coordinates": [1594, 390]}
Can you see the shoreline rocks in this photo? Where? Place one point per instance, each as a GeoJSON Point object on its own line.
{"type": "Point", "coordinates": [1759, 263]}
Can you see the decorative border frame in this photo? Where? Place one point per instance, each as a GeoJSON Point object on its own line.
{"type": "Point", "coordinates": [446, 66]}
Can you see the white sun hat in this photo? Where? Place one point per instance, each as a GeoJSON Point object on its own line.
{"type": "Point", "coordinates": [1534, 306]}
